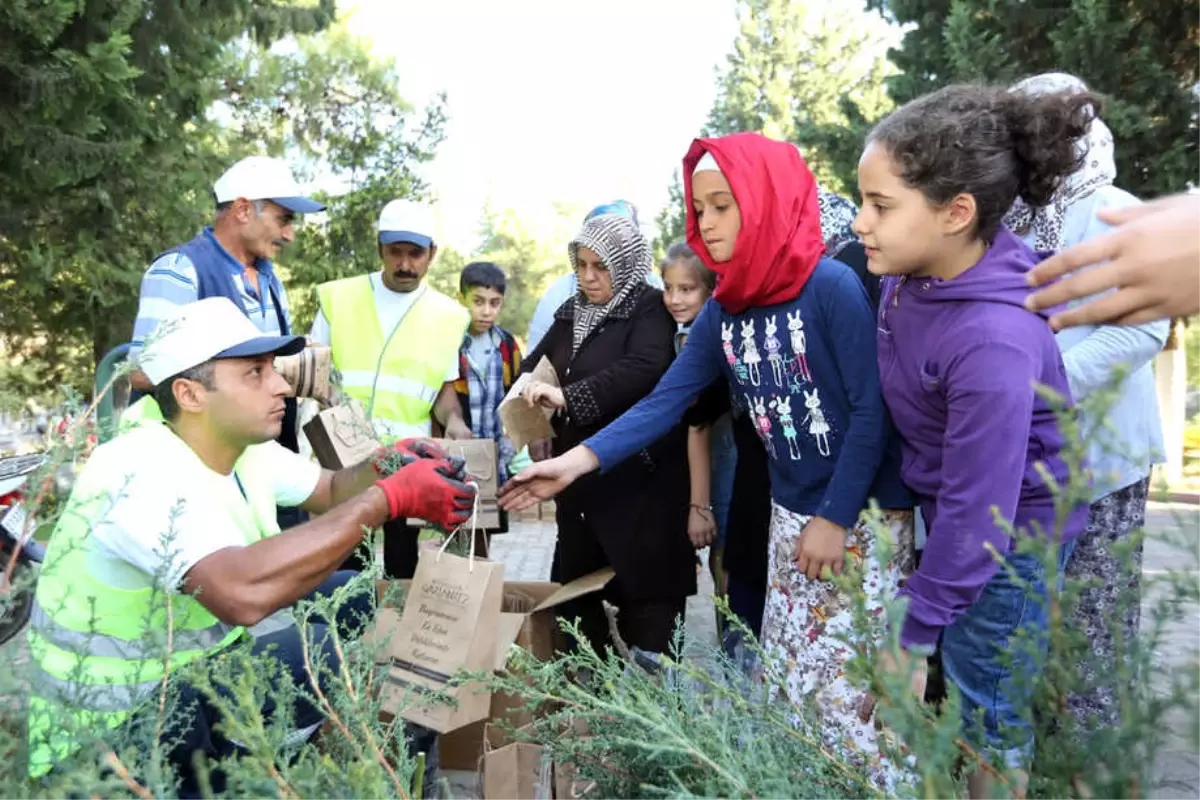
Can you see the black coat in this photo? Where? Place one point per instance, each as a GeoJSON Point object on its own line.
{"type": "Point", "coordinates": [634, 517]}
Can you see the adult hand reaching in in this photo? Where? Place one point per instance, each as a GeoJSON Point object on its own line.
{"type": "Point", "coordinates": [1152, 259]}
{"type": "Point", "coordinates": [457, 430]}
{"type": "Point", "coordinates": [542, 394]}
{"type": "Point", "coordinates": [545, 479]}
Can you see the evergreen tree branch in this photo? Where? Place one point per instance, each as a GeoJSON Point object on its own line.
{"type": "Point", "coordinates": [331, 714]}
{"type": "Point", "coordinates": [118, 768]}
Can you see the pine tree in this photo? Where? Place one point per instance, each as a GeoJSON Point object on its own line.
{"type": "Point", "coordinates": [1140, 54]}
{"type": "Point", "coordinates": [109, 146]}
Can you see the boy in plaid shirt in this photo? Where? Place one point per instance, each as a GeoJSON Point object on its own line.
{"type": "Point", "coordinates": [489, 359]}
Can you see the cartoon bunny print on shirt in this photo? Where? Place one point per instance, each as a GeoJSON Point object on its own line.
{"type": "Point", "coordinates": [783, 409]}
{"type": "Point", "coordinates": [818, 427]}
{"type": "Point", "coordinates": [773, 347]}
{"type": "Point", "coordinates": [739, 369]}
{"type": "Point", "coordinates": [750, 352]}
{"type": "Point", "coordinates": [762, 421]}
{"type": "Point", "coordinates": [799, 344]}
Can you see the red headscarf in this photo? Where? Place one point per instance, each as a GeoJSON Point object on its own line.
{"type": "Point", "coordinates": [780, 241]}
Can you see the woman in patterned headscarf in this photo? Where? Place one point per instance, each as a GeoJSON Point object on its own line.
{"type": "Point", "coordinates": [1120, 461]}
{"type": "Point", "coordinates": [609, 345]}
{"type": "Point", "coordinates": [841, 242]}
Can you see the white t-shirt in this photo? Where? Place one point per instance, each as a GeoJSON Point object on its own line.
{"type": "Point", "coordinates": [176, 497]}
{"type": "Point", "coordinates": [390, 308]}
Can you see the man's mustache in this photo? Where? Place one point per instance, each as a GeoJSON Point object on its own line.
{"type": "Point", "coordinates": [280, 242]}
{"type": "Point", "coordinates": [402, 274]}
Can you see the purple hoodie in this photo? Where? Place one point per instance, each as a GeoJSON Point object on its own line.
{"type": "Point", "coordinates": [958, 361]}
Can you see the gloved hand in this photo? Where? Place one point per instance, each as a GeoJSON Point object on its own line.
{"type": "Point", "coordinates": [403, 452]}
{"type": "Point", "coordinates": [419, 447]}
{"type": "Point", "coordinates": [429, 489]}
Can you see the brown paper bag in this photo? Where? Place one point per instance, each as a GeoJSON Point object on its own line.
{"type": "Point", "coordinates": [567, 783]}
{"type": "Point", "coordinates": [480, 455]}
{"type": "Point", "coordinates": [341, 437]}
{"type": "Point", "coordinates": [449, 623]}
{"type": "Point", "coordinates": [517, 771]}
{"type": "Point", "coordinates": [522, 422]}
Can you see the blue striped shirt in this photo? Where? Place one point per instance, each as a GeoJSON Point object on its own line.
{"type": "Point", "coordinates": [171, 282]}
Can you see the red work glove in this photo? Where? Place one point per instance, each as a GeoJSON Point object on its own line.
{"type": "Point", "coordinates": [419, 447]}
{"type": "Point", "coordinates": [410, 450]}
{"type": "Point", "coordinates": [429, 489]}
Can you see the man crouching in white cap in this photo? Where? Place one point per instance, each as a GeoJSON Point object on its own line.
{"type": "Point", "coordinates": [395, 341]}
{"type": "Point", "coordinates": [183, 500]}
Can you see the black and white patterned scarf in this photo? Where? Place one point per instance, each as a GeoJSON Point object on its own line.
{"type": "Point", "coordinates": [837, 215]}
{"type": "Point", "coordinates": [625, 252]}
{"type": "Point", "coordinates": [1099, 170]}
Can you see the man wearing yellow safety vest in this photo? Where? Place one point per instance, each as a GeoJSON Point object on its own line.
{"type": "Point", "coordinates": [395, 341]}
{"type": "Point", "coordinates": [174, 520]}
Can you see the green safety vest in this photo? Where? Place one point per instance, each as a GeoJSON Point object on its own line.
{"type": "Point", "coordinates": [416, 356]}
{"type": "Point", "coordinates": [98, 650]}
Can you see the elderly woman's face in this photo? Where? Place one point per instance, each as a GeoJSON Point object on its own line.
{"type": "Point", "coordinates": [594, 278]}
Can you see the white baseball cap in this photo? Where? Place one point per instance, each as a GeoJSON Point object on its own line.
{"type": "Point", "coordinates": [406, 221]}
{"type": "Point", "coordinates": [204, 330]}
{"type": "Point", "coordinates": [264, 178]}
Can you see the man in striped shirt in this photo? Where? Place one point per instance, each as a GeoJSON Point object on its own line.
{"type": "Point", "coordinates": [257, 203]}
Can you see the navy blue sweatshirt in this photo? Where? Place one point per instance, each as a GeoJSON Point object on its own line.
{"type": "Point", "coordinates": [806, 372]}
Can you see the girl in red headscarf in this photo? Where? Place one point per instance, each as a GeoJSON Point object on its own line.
{"type": "Point", "coordinates": [793, 333]}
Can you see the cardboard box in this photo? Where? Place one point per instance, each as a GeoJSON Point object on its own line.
{"type": "Point", "coordinates": [480, 455]}
{"type": "Point", "coordinates": [527, 619]}
{"type": "Point", "coordinates": [341, 437]}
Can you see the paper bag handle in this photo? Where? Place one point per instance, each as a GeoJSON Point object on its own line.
{"type": "Point", "coordinates": [473, 522]}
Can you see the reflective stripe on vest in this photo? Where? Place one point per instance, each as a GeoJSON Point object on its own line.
{"type": "Point", "coordinates": [281, 620]}
{"type": "Point", "coordinates": [97, 649]}
{"type": "Point", "coordinates": [411, 363]}
{"type": "Point", "coordinates": [356, 379]}
{"type": "Point", "coordinates": [103, 697]}
{"type": "Point", "coordinates": [97, 644]}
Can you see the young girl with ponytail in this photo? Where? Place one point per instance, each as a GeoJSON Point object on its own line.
{"type": "Point", "coordinates": [960, 359]}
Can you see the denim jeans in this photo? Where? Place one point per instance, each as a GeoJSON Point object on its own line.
{"type": "Point", "coordinates": [993, 677]}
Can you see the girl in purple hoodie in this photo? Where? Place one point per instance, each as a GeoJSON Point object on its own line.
{"type": "Point", "coordinates": [959, 359]}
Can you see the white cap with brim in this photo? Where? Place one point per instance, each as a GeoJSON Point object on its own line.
{"type": "Point", "coordinates": [205, 330]}
{"type": "Point", "coordinates": [406, 221]}
{"type": "Point", "coordinates": [264, 178]}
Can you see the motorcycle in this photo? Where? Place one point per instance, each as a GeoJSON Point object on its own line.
{"type": "Point", "coordinates": [17, 546]}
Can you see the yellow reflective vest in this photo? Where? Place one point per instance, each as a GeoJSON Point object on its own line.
{"type": "Point", "coordinates": [99, 651]}
{"type": "Point", "coordinates": [396, 375]}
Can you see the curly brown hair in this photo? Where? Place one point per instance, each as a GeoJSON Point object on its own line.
{"type": "Point", "coordinates": [990, 143]}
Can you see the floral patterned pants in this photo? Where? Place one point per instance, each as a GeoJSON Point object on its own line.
{"type": "Point", "coordinates": [807, 625]}
{"type": "Point", "coordinates": [1110, 519]}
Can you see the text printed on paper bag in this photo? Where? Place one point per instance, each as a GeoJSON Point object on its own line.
{"type": "Point", "coordinates": [438, 613]}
